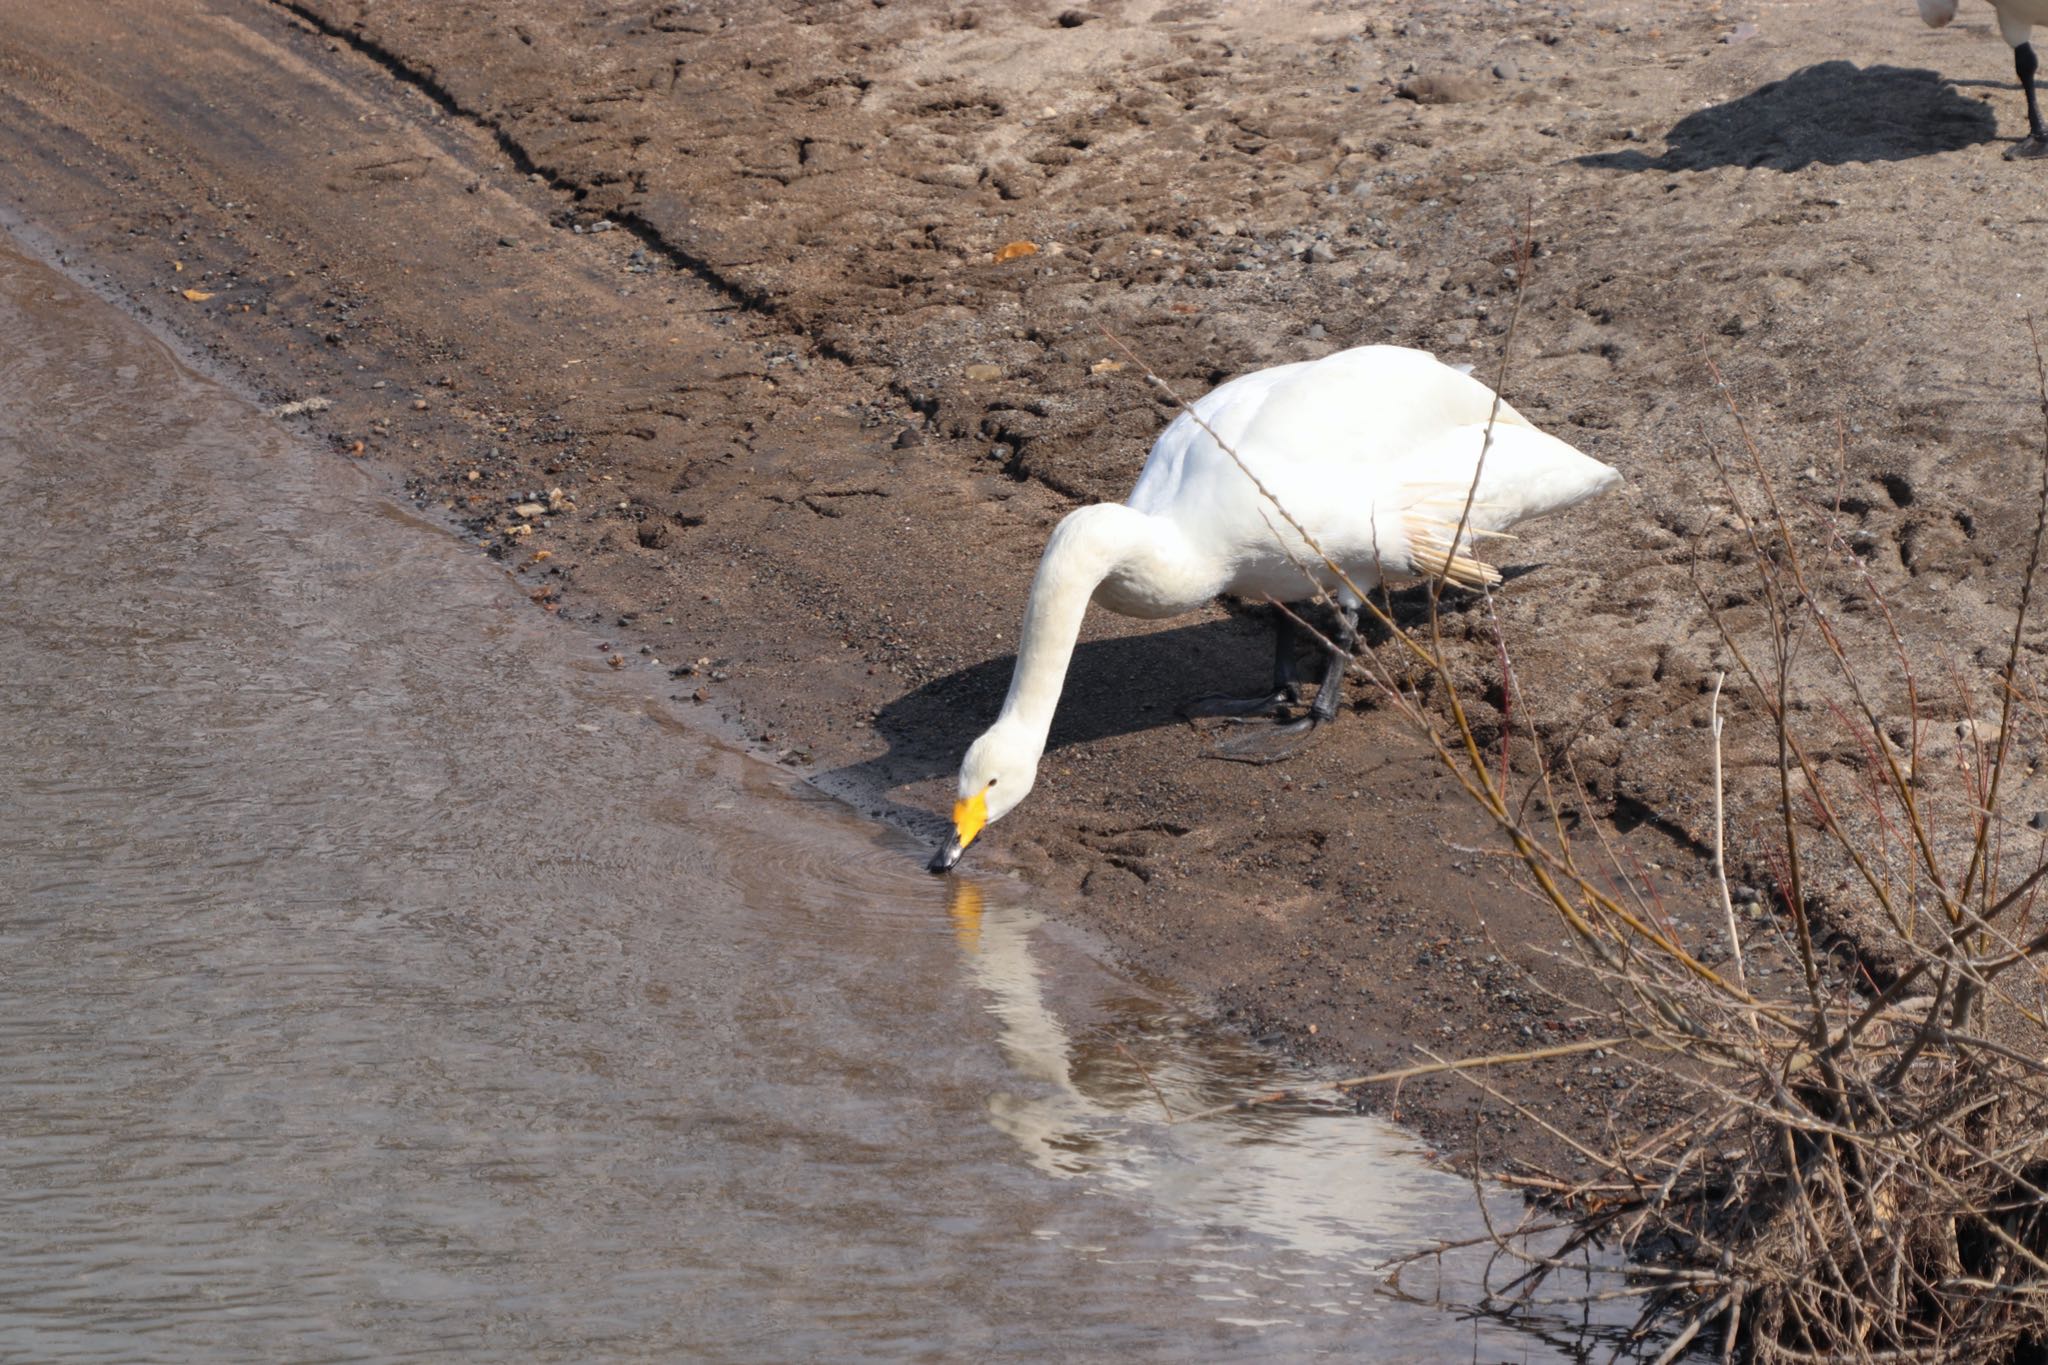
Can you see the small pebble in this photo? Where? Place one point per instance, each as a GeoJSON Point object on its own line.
{"type": "Point", "coordinates": [1438, 89]}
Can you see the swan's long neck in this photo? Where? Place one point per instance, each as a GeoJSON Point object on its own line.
{"type": "Point", "coordinates": [1145, 553]}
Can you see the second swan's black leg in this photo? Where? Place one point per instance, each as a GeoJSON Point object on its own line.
{"type": "Point", "coordinates": [1272, 743]}
{"type": "Point", "coordinates": [1286, 683]}
{"type": "Point", "coordinates": [2035, 144]}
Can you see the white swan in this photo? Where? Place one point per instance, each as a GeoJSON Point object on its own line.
{"type": "Point", "coordinates": [1373, 450]}
{"type": "Point", "coordinates": [2016, 20]}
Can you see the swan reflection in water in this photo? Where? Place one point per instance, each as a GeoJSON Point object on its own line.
{"type": "Point", "coordinates": [1320, 1179]}
{"type": "Point", "coordinates": [1061, 1130]}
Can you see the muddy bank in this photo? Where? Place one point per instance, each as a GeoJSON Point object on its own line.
{"type": "Point", "coordinates": [731, 279]}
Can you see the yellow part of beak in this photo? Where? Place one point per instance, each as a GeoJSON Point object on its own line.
{"type": "Point", "coordinates": [969, 816]}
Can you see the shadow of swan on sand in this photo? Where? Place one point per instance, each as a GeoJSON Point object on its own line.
{"type": "Point", "coordinates": [1827, 114]}
{"type": "Point", "coordinates": [1114, 687]}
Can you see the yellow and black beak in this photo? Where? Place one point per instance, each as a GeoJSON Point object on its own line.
{"type": "Point", "coordinates": [969, 815]}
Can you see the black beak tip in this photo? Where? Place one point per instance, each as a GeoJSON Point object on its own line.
{"type": "Point", "coordinates": [943, 859]}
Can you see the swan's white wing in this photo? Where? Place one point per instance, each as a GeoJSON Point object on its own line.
{"type": "Point", "coordinates": [1329, 429]}
{"type": "Point", "coordinates": [1358, 412]}
{"type": "Point", "coordinates": [1372, 449]}
{"type": "Point", "coordinates": [1228, 410]}
{"type": "Point", "coordinates": [1358, 426]}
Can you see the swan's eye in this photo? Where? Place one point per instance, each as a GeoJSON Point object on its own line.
{"type": "Point", "coordinates": [991, 783]}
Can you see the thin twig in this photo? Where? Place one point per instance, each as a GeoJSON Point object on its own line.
{"type": "Point", "coordinates": [1405, 1073]}
{"type": "Point", "coordinates": [1132, 1058]}
{"type": "Point", "coordinates": [1721, 840]}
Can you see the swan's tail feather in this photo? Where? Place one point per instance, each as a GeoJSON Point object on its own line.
{"type": "Point", "coordinates": [1526, 473]}
{"type": "Point", "coordinates": [1489, 479]}
{"type": "Point", "coordinates": [1435, 551]}
{"type": "Point", "coordinates": [1445, 505]}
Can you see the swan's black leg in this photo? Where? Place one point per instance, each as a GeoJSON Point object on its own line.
{"type": "Point", "coordinates": [1332, 690]}
{"type": "Point", "coordinates": [1272, 743]}
{"type": "Point", "coordinates": [1286, 683]}
{"type": "Point", "coordinates": [2035, 144]}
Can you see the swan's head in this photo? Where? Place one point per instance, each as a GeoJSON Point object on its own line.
{"type": "Point", "coordinates": [996, 774]}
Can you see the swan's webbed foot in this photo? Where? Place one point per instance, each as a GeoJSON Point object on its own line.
{"type": "Point", "coordinates": [1273, 704]}
{"type": "Point", "coordinates": [1262, 729]}
{"type": "Point", "coordinates": [1276, 703]}
{"type": "Point", "coordinates": [1266, 742]}
{"type": "Point", "coordinates": [1272, 741]}
{"type": "Point", "coordinates": [2027, 149]}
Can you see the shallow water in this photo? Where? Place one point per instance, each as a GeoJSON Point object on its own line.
{"type": "Point", "coordinates": [385, 976]}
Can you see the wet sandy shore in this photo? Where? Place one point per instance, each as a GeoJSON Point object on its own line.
{"type": "Point", "coordinates": [332, 1035]}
